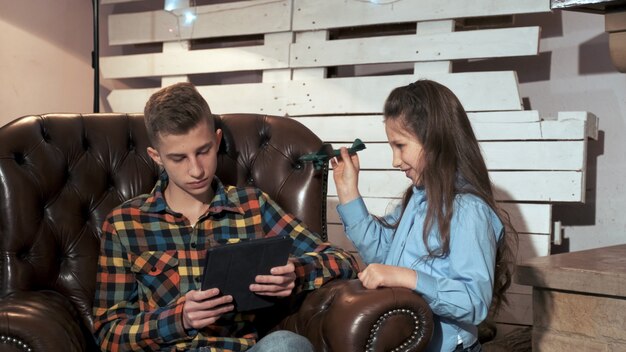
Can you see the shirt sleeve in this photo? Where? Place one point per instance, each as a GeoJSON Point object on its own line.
{"type": "Point", "coordinates": [120, 324]}
{"type": "Point", "coordinates": [464, 291]}
{"type": "Point", "coordinates": [316, 262]}
{"type": "Point", "coordinates": [366, 232]}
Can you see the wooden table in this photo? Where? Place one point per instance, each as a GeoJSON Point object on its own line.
{"type": "Point", "coordinates": [579, 300]}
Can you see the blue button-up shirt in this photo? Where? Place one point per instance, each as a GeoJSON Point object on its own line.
{"type": "Point", "coordinates": [458, 287]}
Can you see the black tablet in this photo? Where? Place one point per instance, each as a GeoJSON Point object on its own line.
{"type": "Point", "coordinates": [233, 267]}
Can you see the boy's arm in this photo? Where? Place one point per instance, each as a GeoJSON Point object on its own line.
{"type": "Point", "coordinates": [316, 262]}
{"type": "Point", "coordinates": [120, 324]}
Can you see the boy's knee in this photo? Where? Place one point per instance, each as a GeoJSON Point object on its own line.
{"type": "Point", "coordinates": [283, 340]}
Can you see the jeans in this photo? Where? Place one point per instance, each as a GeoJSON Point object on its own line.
{"type": "Point", "coordinates": [475, 347]}
{"type": "Point", "coordinates": [282, 341]}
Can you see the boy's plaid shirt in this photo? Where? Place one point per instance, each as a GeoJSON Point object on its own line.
{"type": "Point", "coordinates": [150, 256]}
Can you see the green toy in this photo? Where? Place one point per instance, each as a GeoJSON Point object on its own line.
{"type": "Point", "coordinates": [321, 157]}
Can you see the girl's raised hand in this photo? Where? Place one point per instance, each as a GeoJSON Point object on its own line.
{"type": "Point", "coordinates": [346, 175]}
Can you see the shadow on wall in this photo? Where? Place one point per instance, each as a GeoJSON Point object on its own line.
{"type": "Point", "coordinates": [594, 56]}
{"type": "Point", "coordinates": [551, 23]}
{"type": "Point", "coordinates": [551, 26]}
{"type": "Point", "coordinates": [581, 214]}
{"type": "Point", "coordinates": [540, 64]}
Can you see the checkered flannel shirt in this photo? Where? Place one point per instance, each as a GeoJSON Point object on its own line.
{"type": "Point", "coordinates": [150, 256]}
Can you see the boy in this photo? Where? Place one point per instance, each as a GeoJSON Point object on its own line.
{"type": "Point", "coordinates": [153, 246]}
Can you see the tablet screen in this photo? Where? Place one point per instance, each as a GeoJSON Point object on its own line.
{"type": "Point", "coordinates": [233, 267]}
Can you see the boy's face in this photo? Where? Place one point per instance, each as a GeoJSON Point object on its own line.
{"type": "Point", "coordinates": [190, 159]}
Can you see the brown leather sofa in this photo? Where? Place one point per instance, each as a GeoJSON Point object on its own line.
{"type": "Point", "coordinates": [60, 175]}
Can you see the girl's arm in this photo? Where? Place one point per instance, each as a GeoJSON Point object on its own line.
{"type": "Point", "coordinates": [366, 232]}
{"type": "Point", "coordinates": [371, 239]}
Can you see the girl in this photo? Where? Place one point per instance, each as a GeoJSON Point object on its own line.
{"type": "Point", "coordinates": [447, 240]}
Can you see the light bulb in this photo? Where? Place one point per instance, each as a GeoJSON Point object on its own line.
{"type": "Point", "coordinates": [190, 17]}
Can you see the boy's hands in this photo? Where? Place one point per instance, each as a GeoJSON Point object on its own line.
{"type": "Point", "coordinates": [279, 284]}
{"type": "Point", "coordinates": [203, 308]}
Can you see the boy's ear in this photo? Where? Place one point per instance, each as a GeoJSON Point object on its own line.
{"type": "Point", "coordinates": [218, 137]}
{"type": "Point", "coordinates": [154, 154]}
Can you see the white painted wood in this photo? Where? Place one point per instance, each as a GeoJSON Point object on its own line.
{"type": "Point", "coordinates": [411, 48]}
{"type": "Point", "coordinates": [180, 49]}
{"type": "Point", "coordinates": [529, 217]}
{"type": "Point", "coordinates": [345, 128]}
{"type": "Point", "coordinates": [486, 91]}
{"type": "Point", "coordinates": [433, 27]}
{"type": "Point", "coordinates": [305, 38]}
{"type": "Point", "coordinates": [196, 61]}
{"type": "Point", "coordinates": [550, 186]}
{"type": "Point", "coordinates": [591, 120]}
{"type": "Point", "coordinates": [222, 99]}
{"type": "Point", "coordinates": [515, 155]}
{"type": "Point", "coordinates": [303, 74]}
{"type": "Point", "coordinates": [504, 116]}
{"type": "Point", "coordinates": [282, 40]}
{"type": "Point", "coordinates": [536, 186]}
{"type": "Point", "coordinates": [261, 16]}
{"type": "Point", "coordinates": [526, 218]}
{"type": "Point", "coordinates": [271, 76]}
{"type": "Point", "coordinates": [483, 91]}
{"type": "Point", "coordinates": [546, 130]}
{"type": "Point", "coordinates": [531, 155]}
{"type": "Point", "coordinates": [324, 14]}
{"type": "Point", "coordinates": [430, 67]}
{"type": "Point", "coordinates": [425, 28]}
{"type": "Point", "coordinates": [370, 128]}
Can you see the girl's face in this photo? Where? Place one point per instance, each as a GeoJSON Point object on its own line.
{"type": "Point", "coordinates": [406, 149]}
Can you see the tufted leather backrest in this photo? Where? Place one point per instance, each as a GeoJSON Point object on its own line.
{"type": "Point", "coordinates": [61, 174]}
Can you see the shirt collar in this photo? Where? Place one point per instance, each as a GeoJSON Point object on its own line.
{"type": "Point", "coordinates": [223, 200]}
{"type": "Point", "coordinates": [419, 195]}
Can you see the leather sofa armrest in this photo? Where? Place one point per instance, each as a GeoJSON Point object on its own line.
{"type": "Point", "coordinates": [39, 321]}
{"type": "Point", "coordinates": [345, 316]}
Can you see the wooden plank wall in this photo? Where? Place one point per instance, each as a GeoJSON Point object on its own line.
{"type": "Point", "coordinates": [533, 160]}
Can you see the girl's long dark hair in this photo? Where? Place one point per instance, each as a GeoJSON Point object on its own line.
{"type": "Point", "coordinates": [452, 164]}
